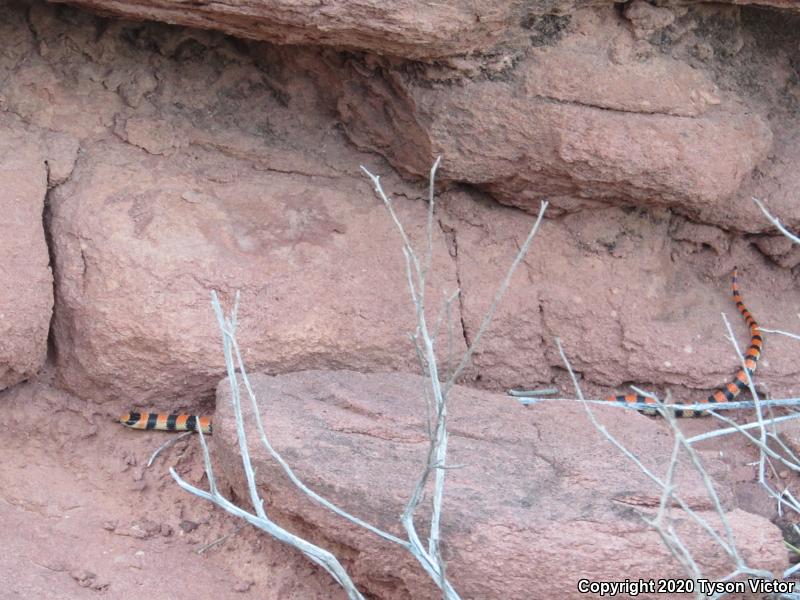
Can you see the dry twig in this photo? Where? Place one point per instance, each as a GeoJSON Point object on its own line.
{"type": "Point", "coordinates": [428, 556]}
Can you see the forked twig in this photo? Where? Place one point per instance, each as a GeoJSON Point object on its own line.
{"type": "Point", "coordinates": [663, 523]}
{"type": "Point", "coordinates": [428, 556]}
{"type": "Point", "coordinates": [168, 444]}
{"type": "Point", "coordinates": [425, 345]}
{"type": "Point", "coordinates": [775, 221]}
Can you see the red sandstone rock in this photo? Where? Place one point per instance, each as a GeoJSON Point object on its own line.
{"type": "Point", "coordinates": [539, 501]}
{"type": "Point", "coordinates": [408, 29]}
{"type": "Point", "coordinates": [624, 296]}
{"type": "Point", "coordinates": [566, 129]}
{"type": "Point", "coordinates": [141, 243]}
{"type": "Point", "coordinates": [186, 113]}
{"type": "Point", "coordinates": [26, 293]}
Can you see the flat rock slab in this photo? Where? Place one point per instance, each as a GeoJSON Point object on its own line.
{"type": "Point", "coordinates": [539, 499]}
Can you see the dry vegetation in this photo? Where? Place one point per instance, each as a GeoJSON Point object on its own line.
{"type": "Point", "coordinates": [440, 376]}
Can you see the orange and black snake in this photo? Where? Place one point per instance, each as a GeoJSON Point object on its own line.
{"type": "Point", "coordinates": [164, 422]}
{"type": "Point", "coordinates": [182, 422]}
{"type": "Point", "coordinates": [729, 391]}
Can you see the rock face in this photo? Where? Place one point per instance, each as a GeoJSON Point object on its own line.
{"type": "Point", "coordinates": [655, 318]}
{"type": "Point", "coordinates": [406, 29]}
{"type": "Point", "coordinates": [587, 118]}
{"type": "Point", "coordinates": [147, 246]}
{"type": "Point", "coordinates": [535, 484]}
{"type": "Point", "coordinates": [26, 294]}
{"type": "Point", "coordinates": [161, 162]}
{"type": "Point", "coordinates": [206, 165]}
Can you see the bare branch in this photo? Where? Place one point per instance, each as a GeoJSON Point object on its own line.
{"type": "Point", "coordinates": [168, 444]}
{"type": "Point", "coordinates": [501, 291]}
{"type": "Point", "coordinates": [776, 222]}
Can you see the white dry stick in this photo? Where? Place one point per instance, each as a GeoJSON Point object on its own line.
{"type": "Point", "coordinates": [794, 336]}
{"type": "Point", "coordinates": [796, 240]}
{"type": "Point", "coordinates": [487, 318]}
{"type": "Point", "coordinates": [740, 428]}
{"type": "Point", "coordinates": [168, 444]}
{"type": "Point", "coordinates": [652, 476]}
{"type": "Point", "coordinates": [663, 522]}
{"type": "Point", "coordinates": [667, 533]}
{"type": "Point", "coordinates": [422, 557]}
{"type": "Point", "coordinates": [766, 453]}
{"type": "Point", "coordinates": [260, 519]}
{"type": "Point", "coordinates": [416, 275]}
{"type": "Point", "coordinates": [638, 406]}
{"type": "Point", "coordinates": [429, 558]}
{"type": "Point", "coordinates": [776, 222]}
{"type": "Point", "coordinates": [756, 399]}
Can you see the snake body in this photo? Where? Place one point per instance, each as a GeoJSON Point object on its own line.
{"type": "Point", "coordinates": [730, 390]}
{"type": "Point", "coordinates": [166, 422]}
{"type": "Point", "coordinates": [184, 422]}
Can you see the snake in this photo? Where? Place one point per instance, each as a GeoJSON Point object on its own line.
{"type": "Point", "coordinates": [166, 422]}
{"type": "Point", "coordinates": [729, 391]}
{"type": "Point", "coordinates": [186, 422]}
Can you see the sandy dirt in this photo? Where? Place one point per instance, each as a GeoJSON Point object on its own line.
{"type": "Point", "coordinates": [83, 517]}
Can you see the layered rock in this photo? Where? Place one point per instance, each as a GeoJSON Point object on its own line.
{"type": "Point", "coordinates": [620, 288]}
{"type": "Point", "coordinates": [533, 485]}
{"type": "Point", "coordinates": [589, 118]}
{"type": "Point", "coordinates": [407, 29]}
{"type": "Point", "coordinates": [142, 242]}
{"type": "Point", "coordinates": [30, 160]}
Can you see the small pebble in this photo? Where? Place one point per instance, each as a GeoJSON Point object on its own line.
{"type": "Point", "coordinates": [188, 526]}
{"type": "Point", "coordinates": [242, 586]}
{"type": "Point", "coordinates": [83, 577]}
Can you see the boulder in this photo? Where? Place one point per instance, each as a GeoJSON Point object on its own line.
{"type": "Point", "coordinates": [142, 240]}
{"type": "Point", "coordinates": [538, 501]}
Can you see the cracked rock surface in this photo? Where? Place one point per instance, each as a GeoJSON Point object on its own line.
{"type": "Point", "coordinates": [525, 488]}
{"type": "Point", "coordinates": [207, 165]}
{"type": "Point", "coordinates": [145, 165]}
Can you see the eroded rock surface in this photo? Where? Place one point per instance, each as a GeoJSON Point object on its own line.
{"type": "Point", "coordinates": [180, 161]}
{"type": "Point", "coordinates": [30, 160]}
{"type": "Point", "coordinates": [407, 29]}
{"type": "Point", "coordinates": [657, 317]}
{"type": "Point", "coordinates": [208, 164]}
{"type": "Point", "coordinates": [141, 249]}
{"type": "Point", "coordinates": [539, 484]}
{"type": "Point", "coordinates": [591, 117]}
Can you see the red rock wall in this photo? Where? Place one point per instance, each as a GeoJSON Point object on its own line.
{"type": "Point", "coordinates": [181, 161]}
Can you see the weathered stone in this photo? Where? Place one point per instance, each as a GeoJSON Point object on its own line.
{"type": "Point", "coordinates": [407, 29]}
{"type": "Point", "coordinates": [585, 119]}
{"type": "Point", "coordinates": [780, 249]}
{"type": "Point", "coordinates": [530, 490]}
{"type": "Point", "coordinates": [26, 293]}
{"type": "Point", "coordinates": [143, 240]}
{"type": "Point", "coordinates": [629, 300]}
